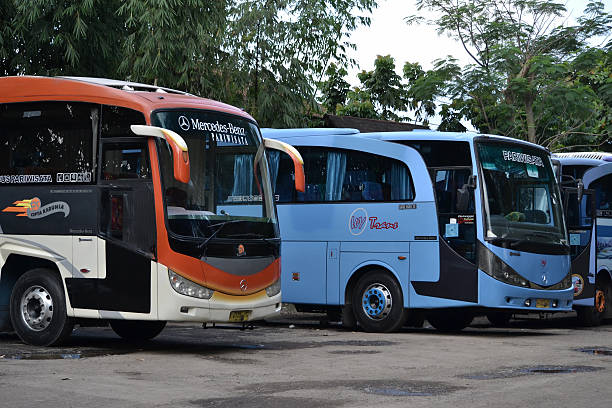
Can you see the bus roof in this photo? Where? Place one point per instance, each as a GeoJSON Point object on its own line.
{"type": "Point", "coordinates": [583, 158]}
{"type": "Point", "coordinates": [425, 134]}
{"type": "Point", "coordinates": [289, 133]}
{"type": "Point", "coordinates": [145, 98]}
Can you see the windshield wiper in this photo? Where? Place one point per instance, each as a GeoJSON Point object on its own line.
{"type": "Point", "coordinates": [202, 245]}
{"type": "Point", "coordinates": [257, 236]}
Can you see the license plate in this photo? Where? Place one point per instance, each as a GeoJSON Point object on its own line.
{"type": "Point", "coordinates": [543, 303]}
{"type": "Point", "coordinates": [239, 316]}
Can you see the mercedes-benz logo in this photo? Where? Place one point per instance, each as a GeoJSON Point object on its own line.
{"type": "Point", "coordinates": [243, 285]}
{"type": "Point", "coordinates": [183, 122]}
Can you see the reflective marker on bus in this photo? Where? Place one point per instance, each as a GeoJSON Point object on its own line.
{"type": "Point", "coordinates": [586, 179]}
{"type": "Point", "coordinates": [133, 204]}
{"type": "Point", "coordinates": [436, 225]}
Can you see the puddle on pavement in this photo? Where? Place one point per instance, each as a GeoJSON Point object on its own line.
{"type": "Point", "coordinates": [392, 388]}
{"type": "Point", "coordinates": [600, 351]}
{"type": "Point", "coordinates": [50, 354]}
{"type": "Point", "coordinates": [535, 370]}
{"type": "Point", "coordinates": [262, 401]}
{"type": "Point", "coordinates": [350, 352]}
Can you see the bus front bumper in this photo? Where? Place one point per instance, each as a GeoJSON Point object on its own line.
{"type": "Point", "coordinates": [220, 308]}
{"type": "Point", "coordinates": [500, 295]}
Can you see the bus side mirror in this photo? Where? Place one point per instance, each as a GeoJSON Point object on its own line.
{"type": "Point", "coordinates": [298, 162]}
{"type": "Point", "coordinates": [180, 153]}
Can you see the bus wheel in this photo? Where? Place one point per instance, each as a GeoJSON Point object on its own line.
{"type": "Point", "coordinates": [137, 330]}
{"type": "Point", "coordinates": [450, 320]}
{"type": "Point", "coordinates": [499, 319]}
{"type": "Point", "coordinates": [38, 308]}
{"type": "Point", "coordinates": [377, 303]}
{"type": "Point", "coordinates": [593, 315]}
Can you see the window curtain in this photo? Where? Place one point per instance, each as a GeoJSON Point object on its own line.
{"type": "Point", "coordinates": [243, 175]}
{"type": "Point", "coordinates": [273, 160]}
{"type": "Point", "coordinates": [336, 170]}
{"type": "Point", "coordinates": [400, 183]}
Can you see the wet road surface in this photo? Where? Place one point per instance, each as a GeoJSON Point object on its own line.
{"type": "Point", "coordinates": [298, 362]}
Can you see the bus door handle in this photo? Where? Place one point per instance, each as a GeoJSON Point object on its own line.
{"type": "Point", "coordinates": [85, 239]}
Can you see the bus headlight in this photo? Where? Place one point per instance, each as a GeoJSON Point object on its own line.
{"type": "Point", "coordinates": [274, 289]}
{"type": "Point", "coordinates": [187, 287]}
{"type": "Point", "coordinates": [493, 266]}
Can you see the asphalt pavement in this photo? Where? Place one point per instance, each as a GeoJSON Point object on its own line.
{"type": "Point", "coordinates": [298, 361]}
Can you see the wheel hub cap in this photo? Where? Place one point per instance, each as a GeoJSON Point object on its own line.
{"type": "Point", "coordinates": [377, 301]}
{"type": "Point", "coordinates": [37, 308]}
{"type": "Point", "coordinates": [600, 301]}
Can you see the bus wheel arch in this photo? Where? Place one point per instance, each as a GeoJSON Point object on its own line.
{"type": "Point", "coordinates": [15, 266]}
{"type": "Point", "coordinates": [375, 298]}
{"type": "Point", "coordinates": [602, 303]}
{"type": "Point", "coordinates": [38, 308]}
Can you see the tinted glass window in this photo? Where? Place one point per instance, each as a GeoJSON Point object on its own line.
{"type": "Point", "coordinates": [125, 161]}
{"type": "Point", "coordinates": [342, 175]}
{"type": "Point", "coordinates": [442, 153]}
{"type": "Point", "coordinates": [116, 121]}
{"type": "Point", "coordinates": [47, 142]}
{"type": "Point", "coordinates": [603, 193]}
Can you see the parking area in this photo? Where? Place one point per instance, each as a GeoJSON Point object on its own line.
{"type": "Point", "coordinates": [294, 361]}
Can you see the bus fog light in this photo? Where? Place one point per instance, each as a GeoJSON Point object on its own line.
{"type": "Point", "coordinates": [555, 303]}
{"type": "Point", "coordinates": [274, 289]}
{"type": "Point", "coordinates": [528, 302]}
{"type": "Point", "coordinates": [187, 287]}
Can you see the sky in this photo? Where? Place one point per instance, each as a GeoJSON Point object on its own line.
{"type": "Point", "coordinates": [390, 35]}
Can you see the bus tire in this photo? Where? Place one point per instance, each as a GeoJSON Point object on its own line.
{"type": "Point", "coordinates": [499, 319]}
{"type": "Point", "coordinates": [377, 302]}
{"type": "Point", "coordinates": [450, 320]}
{"type": "Point", "coordinates": [590, 316]}
{"type": "Point", "coordinates": [38, 308]}
{"type": "Point", "coordinates": [137, 331]}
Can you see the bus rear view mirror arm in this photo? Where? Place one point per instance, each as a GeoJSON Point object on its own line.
{"type": "Point", "coordinates": [298, 162]}
{"type": "Point", "coordinates": [180, 153]}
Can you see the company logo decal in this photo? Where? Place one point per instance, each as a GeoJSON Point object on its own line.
{"type": "Point", "coordinates": [358, 221]}
{"type": "Point", "coordinates": [33, 209]}
{"type": "Point", "coordinates": [243, 285]}
{"type": "Point", "coordinates": [240, 251]}
{"type": "Point", "coordinates": [74, 177]}
{"type": "Point", "coordinates": [26, 178]}
{"type": "Point", "coordinates": [222, 133]}
{"type": "Point", "coordinates": [578, 284]}
{"type": "Point", "coordinates": [183, 123]}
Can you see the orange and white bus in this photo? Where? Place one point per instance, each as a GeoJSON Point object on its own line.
{"type": "Point", "coordinates": [132, 204]}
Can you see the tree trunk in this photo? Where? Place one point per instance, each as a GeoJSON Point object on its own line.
{"type": "Point", "coordinates": [531, 127]}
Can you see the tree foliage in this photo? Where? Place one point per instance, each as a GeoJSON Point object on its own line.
{"type": "Point", "coordinates": [531, 72]}
{"type": "Point", "coordinates": [263, 55]}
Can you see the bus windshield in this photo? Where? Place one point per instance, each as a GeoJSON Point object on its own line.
{"type": "Point", "coordinates": [523, 208]}
{"type": "Point", "coordinates": [228, 195]}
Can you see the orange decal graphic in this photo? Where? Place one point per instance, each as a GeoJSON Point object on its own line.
{"type": "Point", "coordinates": [21, 207]}
{"type": "Point", "coordinates": [33, 209]}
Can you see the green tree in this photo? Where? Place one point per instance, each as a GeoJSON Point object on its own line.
{"type": "Point", "coordinates": [359, 104]}
{"type": "Point", "coordinates": [385, 87]}
{"type": "Point", "coordinates": [174, 43]}
{"type": "Point", "coordinates": [60, 38]}
{"type": "Point", "coordinates": [522, 53]}
{"type": "Point", "coordinates": [335, 88]}
{"type": "Point", "coordinates": [282, 49]}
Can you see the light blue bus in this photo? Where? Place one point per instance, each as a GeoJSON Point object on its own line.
{"type": "Point", "coordinates": [589, 221]}
{"type": "Point", "coordinates": [441, 225]}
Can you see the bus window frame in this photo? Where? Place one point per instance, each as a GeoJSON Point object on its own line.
{"type": "Point", "coordinates": [342, 149]}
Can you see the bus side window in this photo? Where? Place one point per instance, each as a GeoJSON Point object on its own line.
{"type": "Point", "coordinates": [338, 175]}
{"type": "Point", "coordinates": [125, 161]}
{"type": "Point", "coordinates": [51, 141]}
